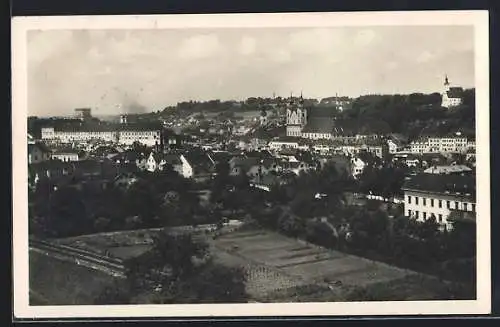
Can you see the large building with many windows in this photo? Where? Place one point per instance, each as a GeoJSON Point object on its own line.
{"type": "Point", "coordinates": [435, 144]}
{"type": "Point", "coordinates": [428, 195]}
{"type": "Point", "coordinates": [126, 134]}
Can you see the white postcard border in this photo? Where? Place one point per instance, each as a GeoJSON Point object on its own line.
{"type": "Point", "coordinates": [20, 26]}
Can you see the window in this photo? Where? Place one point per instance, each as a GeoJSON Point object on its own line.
{"type": "Point", "coordinates": [424, 215]}
{"type": "Point", "coordinates": [416, 214]}
{"type": "Point", "coordinates": [440, 203]}
{"type": "Point", "coordinates": [432, 202]}
{"type": "Point", "coordinates": [440, 218]}
{"type": "Point", "coordinates": [473, 207]}
{"type": "Point", "coordinates": [456, 204]}
{"type": "Point", "coordinates": [409, 199]}
{"type": "Point", "coordinates": [448, 204]}
{"type": "Point", "coordinates": [424, 201]}
{"type": "Point", "coordinates": [465, 206]}
{"type": "Point", "coordinates": [416, 200]}
{"type": "Point", "coordinates": [409, 213]}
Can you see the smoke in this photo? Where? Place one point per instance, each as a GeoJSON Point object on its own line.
{"type": "Point", "coordinates": [130, 104]}
{"type": "Point", "coordinates": [134, 107]}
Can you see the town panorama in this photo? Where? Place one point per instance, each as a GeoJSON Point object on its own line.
{"type": "Point", "coordinates": [268, 199]}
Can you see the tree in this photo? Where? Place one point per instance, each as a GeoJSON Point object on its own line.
{"type": "Point", "coordinates": [178, 270]}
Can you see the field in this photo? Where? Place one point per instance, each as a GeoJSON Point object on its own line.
{"type": "Point", "coordinates": [56, 282]}
{"type": "Point", "coordinates": [122, 245]}
{"type": "Point", "coordinates": [278, 268]}
{"type": "Point", "coordinates": [286, 269]}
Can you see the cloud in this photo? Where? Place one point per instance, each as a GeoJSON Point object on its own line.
{"type": "Point", "coordinates": [317, 40]}
{"type": "Point", "coordinates": [425, 56]}
{"type": "Point", "coordinates": [46, 44]}
{"type": "Point", "coordinates": [247, 45]}
{"type": "Point", "coordinates": [156, 68]}
{"type": "Point", "coordinates": [199, 46]}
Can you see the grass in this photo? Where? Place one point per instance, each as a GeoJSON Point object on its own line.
{"type": "Point", "coordinates": [126, 252]}
{"type": "Point", "coordinates": [58, 282]}
{"type": "Point", "coordinates": [411, 288]}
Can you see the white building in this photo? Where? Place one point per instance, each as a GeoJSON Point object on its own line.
{"type": "Point", "coordinates": [450, 169]}
{"type": "Point", "coordinates": [451, 96]}
{"type": "Point", "coordinates": [66, 156]}
{"type": "Point", "coordinates": [449, 144]}
{"type": "Point", "coordinates": [122, 134]}
{"type": "Point", "coordinates": [357, 166]}
{"type": "Point", "coordinates": [277, 145]}
{"type": "Point", "coordinates": [37, 152]}
{"type": "Point", "coordinates": [428, 195]}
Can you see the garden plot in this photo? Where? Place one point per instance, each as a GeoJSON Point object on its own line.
{"type": "Point", "coordinates": [310, 263]}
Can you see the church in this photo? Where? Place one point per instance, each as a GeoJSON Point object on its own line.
{"type": "Point", "coordinates": [451, 96]}
{"type": "Point", "coordinates": [304, 123]}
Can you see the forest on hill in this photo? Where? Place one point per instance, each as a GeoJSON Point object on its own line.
{"type": "Point", "coordinates": [414, 114]}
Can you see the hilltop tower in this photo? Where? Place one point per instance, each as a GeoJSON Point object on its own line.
{"type": "Point", "coordinates": [450, 96]}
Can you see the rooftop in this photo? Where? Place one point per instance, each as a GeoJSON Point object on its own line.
{"type": "Point", "coordinates": [449, 169]}
{"type": "Point", "coordinates": [445, 184]}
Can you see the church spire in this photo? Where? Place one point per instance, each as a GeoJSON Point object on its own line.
{"type": "Point", "coordinates": [446, 82]}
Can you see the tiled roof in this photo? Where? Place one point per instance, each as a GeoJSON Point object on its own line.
{"type": "Point", "coordinates": [245, 163]}
{"type": "Point", "coordinates": [200, 161]}
{"type": "Point", "coordinates": [320, 112]}
{"type": "Point", "coordinates": [171, 159]}
{"type": "Point", "coordinates": [455, 92]}
{"type": "Point", "coordinates": [95, 127]}
{"type": "Point", "coordinates": [41, 146]}
{"type": "Point", "coordinates": [447, 169]}
{"type": "Point", "coordinates": [451, 184]}
{"type": "Point", "coordinates": [319, 125]}
{"type": "Point", "coordinates": [88, 166]}
{"type": "Point", "coordinates": [220, 156]}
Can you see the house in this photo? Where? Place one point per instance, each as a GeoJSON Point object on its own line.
{"type": "Point", "coordinates": [412, 160]}
{"type": "Point", "coordinates": [66, 155]}
{"type": "Point", "coordinates": [283, 143]}
{"type": "Point", "coordinates": [449, 169]}
{"type": "Point", "coordinates": [91, 168]}
{"type": "Point", "coordinates": [170, 139]}
{"type": "Point", "coordinates": [357, 166]}
{"type": "Point", "coordinates": [203, 166]}
{"type": "Point", "coordinates": [38, 152]}
{"type": "Point", "coordinates": [427, 195]}
{"type": "Point", "coordinates": [394, 146]}
{"type": "Point", "coordinates": [470, 156]}
{"type": "Point", "coordinates": [180, 164]}
{"type": "Point", "coordinates": [250, 166]}
{"type": "Point", "coordinates": [218, 157]}
{"type": "Point", "coordinates": [433, 159]}
{"type": "Point", "coordinates": [295, 166]}
{"type": "Point", "coordinates": [51, 169]}
{"type": "Point", "coordinates": [155, 162]}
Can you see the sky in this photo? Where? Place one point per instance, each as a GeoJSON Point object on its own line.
{"type": "Point", "coordinates": [125, 71]}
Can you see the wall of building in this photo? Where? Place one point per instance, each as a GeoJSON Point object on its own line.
{"type": "Point", "coordinates": [66, 157]}
{"type": "Point", "coordinates": [146, 137]}
{"type": "Point", "coordinates": [433, 203]}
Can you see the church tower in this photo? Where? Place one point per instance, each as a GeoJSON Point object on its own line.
{"type": "Point", "coordinates": [451, 96]}
{"type": "Point", "coordinates": [296, 116]}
